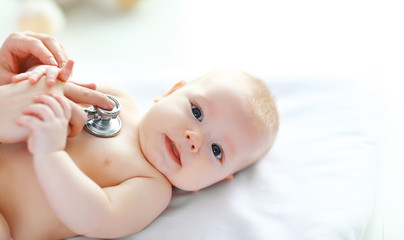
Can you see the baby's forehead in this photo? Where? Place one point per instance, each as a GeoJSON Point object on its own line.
{"type": "Point", "coordinates": [224, 99]}
{"type": "Point", "coordinates": [225, 84]}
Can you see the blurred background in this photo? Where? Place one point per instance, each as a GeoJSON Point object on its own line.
{"type": "Point", "coordinates": [118, 41]}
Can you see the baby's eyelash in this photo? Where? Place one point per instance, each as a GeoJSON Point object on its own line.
{"type": "Point", "coordinates": [197, 112]}
{"type": "Point", "coordinates": [217, 151]}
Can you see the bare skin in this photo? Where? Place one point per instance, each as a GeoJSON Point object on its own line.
{"type": "Point", "coordinates": [22, 50]}
{"type": "Point", "coordinates": [29, 215]}
{"type": "Point", "coordinates": [20, 53]}
{"type": "Point", "coordinates": [107, 188]}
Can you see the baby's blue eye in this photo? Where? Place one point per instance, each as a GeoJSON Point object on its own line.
{"type": "Point", "coordinates": [217, 151]}
{"type": "Point", "coordinates": [197, 113]}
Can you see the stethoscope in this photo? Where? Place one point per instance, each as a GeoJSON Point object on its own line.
{"type": "Point", "coordinates": [103, 123]}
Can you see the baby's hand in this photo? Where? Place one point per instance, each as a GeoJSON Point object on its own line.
{"type": "Point", "coordinates": [47, 118]}
{"type": "Point", "coordinates": [52, 73]}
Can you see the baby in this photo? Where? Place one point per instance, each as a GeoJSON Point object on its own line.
{"type": "Point", "coordinates": [197, 134]}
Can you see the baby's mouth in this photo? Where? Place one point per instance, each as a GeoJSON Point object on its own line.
{"type": "Point", "coordinates": [173, 150]}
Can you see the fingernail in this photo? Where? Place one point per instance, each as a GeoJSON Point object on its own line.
{"type": "Point", "coordinates": [62, 65]}
{"type": "Point", "coordinates": [112, 103]}
{"type": "Point", "coordinates": [51, 82]}
{"type": "Point", "coordinates": [52, 61]}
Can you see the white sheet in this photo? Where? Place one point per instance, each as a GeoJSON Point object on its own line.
{"type": "Point", "coordinates": [318, 181]}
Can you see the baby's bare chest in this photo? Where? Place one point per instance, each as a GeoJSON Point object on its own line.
{"type": "Point", "coordinates": [109, 161]}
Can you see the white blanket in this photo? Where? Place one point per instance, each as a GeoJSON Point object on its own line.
{"type": "Point", "coordinates": [318, 181]}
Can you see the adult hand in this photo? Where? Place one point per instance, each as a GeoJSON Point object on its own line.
{"type": "Point", "coordinates": [80, 93]}
{"type": "Point", "coordinates": [23, 50]}
{"type": "Point", "coordinates": [86, 94]}
{"type": "Point", "coordinates": [14, 97]}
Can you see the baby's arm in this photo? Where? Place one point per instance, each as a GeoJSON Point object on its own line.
{"type": "Point", "coordinates": [86, 208]}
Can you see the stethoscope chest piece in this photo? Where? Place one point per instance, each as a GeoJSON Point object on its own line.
{"type": "Point", "coordinates": [104, 123]}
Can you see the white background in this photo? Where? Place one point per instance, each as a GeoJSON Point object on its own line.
{"type": "Point", "coordinates": [273, 38]}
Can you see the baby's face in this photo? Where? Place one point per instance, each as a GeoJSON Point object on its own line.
{"type": "Point", "coordinates": [199, 134]}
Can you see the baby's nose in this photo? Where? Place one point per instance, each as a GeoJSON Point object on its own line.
{"type": "Point", "coordinates": [194, 140]}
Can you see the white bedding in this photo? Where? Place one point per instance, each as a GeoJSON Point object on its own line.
{"type": "Point", "coordinates": [318, 181]}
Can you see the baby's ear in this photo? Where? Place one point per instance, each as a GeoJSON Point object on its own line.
{"type": "Point", "coordinates": [229, 178]}
{"type": "Point", "coordinates": [178, 85]}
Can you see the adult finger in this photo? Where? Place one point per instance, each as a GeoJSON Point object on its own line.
{"type": "Point", "coordinates": [84, 95]}
{"type": "Point", "coordinates": [26, 44]}
{"type": "Point", "coordinates": [65, 53]}
{"type": "Point", "coordinates": [53, 45]}
{"type": "Point", "coordinates": [91, 86]}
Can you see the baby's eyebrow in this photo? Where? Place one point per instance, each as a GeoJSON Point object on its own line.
{"type": "Point", "coordinates": [207, 106]}
{"type": "Point", "coordinates": [228, 148]}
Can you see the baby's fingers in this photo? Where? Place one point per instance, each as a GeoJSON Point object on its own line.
{"type": "Point", "coordinates": [52, 104]}
{"type": "Point", "coordinates": [28, 121]}
{"type": "Point", "coordinates": [65, 106]}
{"type": "Point", "coordinates": [20, 77]}
{"type": "Point", "coordinates": [66, 71]}
{"type": "Point", "coordinates": [41, 111]}
{"type": "Point", "coordinates": [36, 74]}
{"type": "Point", "coordinates": [51, 75]}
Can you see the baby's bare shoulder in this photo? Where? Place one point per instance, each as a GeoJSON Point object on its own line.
{"type": "Point", "coordinates": [113, 90]}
